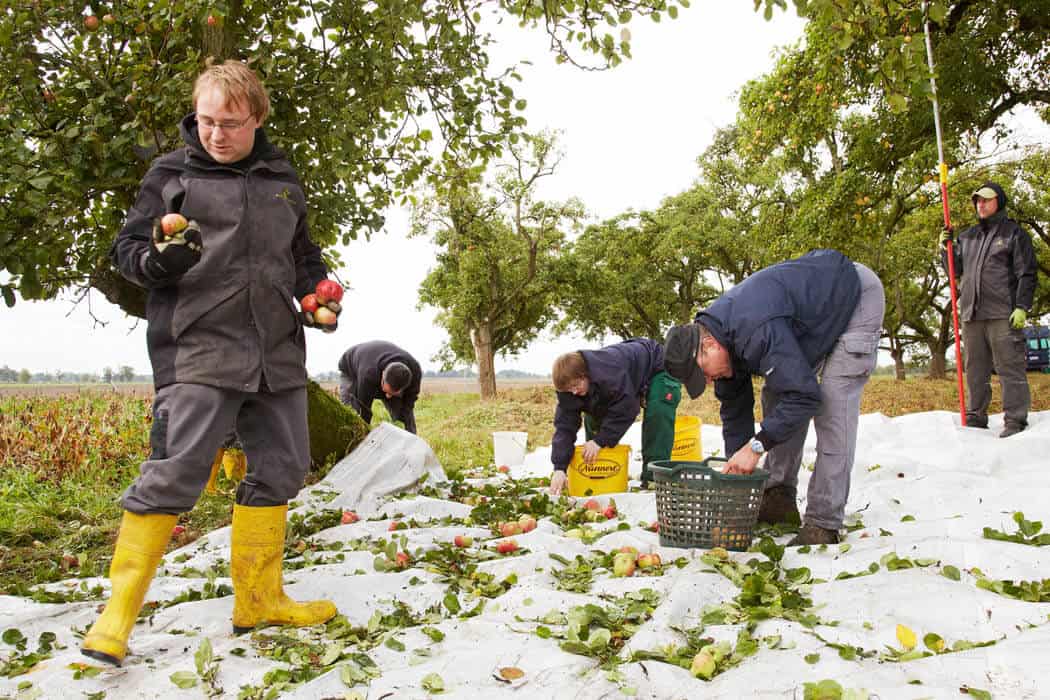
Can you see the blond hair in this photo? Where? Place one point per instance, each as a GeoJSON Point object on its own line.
{"type": "Point", "coordinates": [238, 83]}
{"type": "Point", "coordinates": [567, 369]}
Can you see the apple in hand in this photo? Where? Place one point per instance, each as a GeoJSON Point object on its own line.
{"type": "Point", "coordinates": [328, 291]}
{"type": "Point", "coordinates": [309, 303]}
{"type": "Point", "coordinates": [170, 224]}
{"type": "Point", "coordinates": [324, 316]}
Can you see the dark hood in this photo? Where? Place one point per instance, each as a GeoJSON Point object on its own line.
{"type": "Point", "coordinates": [999, 192]}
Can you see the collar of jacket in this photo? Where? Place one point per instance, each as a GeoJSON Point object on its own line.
{"type": "Point", "coordinates": [993, 220]}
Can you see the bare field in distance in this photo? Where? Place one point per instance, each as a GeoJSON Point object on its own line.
{"type": "Point", "coordinates": [431, 385]}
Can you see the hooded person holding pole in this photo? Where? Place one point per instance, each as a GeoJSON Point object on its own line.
{"type": "Point", "coordinates": [995, 262]}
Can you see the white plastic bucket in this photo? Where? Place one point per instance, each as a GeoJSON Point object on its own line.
{"type": "Point", "coordinates": [508, 447]}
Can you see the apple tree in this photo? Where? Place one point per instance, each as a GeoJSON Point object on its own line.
{"type": "Point", "coordinates": [497, 274]}
{"type": "Point", "coordinates": [364, 97]}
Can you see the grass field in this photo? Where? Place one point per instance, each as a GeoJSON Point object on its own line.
{"type": "Point", "coordinates": [66, 456]}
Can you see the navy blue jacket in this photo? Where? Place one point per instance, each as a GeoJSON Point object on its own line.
{"type": "Point", "coordinates": [780, 323]}
{"type": "Point", "coordinates": [619, 378]}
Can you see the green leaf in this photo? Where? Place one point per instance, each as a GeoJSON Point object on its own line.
{"type": "Point", "coordinates": [452, 603]}
{"type": "Point", "coordinates": [951, 572]}
{"type": "Point", "coordinates": [543, 632]}
{"type": "Point", "coordinates": [811, 658]}
{"type": "Point", "coordinates": [432, 683]}
{"type": "Point", "coordinates": [203, 656]}
{"type": "Point", "coordinates": [978, 693]}
{"type": "Point", "coordinates": [184, 679]}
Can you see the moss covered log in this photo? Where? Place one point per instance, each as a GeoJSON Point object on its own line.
{"type": "Point", "coordinates": [334, 429]}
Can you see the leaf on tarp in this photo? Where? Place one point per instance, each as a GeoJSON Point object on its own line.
{"type": "Point", "coordinates": [510, 673]}
{"type": "Point", "coordinates": [906, 637]}
{"type": "Point", "coordinates": [432, 683]}
{"type": "Point", "coordinates": [184, 679]}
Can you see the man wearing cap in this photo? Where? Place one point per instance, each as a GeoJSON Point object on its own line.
{"type": "Point", "coordinates": [810, 328]}
{"type": "Point", "coordinates": [997, 264]}
{"type": "Point", "coordinates": [380, 370]}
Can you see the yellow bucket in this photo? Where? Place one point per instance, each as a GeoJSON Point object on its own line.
{"type": "Point", "coordinates": [686, 440]}
{"type": "Point", "coordinates": [607, 474]}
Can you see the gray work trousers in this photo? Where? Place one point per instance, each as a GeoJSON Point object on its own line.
{"type": "Point", "coordinates": [993, 343]}
{"type": "Point", "coordinates": [845, 371]}
{"type": "Point", "coordinates": [190, 423]}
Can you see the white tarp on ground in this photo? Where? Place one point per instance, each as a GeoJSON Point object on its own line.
{"type": "Point", "coordinates": [923, 487]}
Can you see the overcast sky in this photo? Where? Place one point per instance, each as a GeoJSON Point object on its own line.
{"type": "Point", "coordinates": [631, 137]}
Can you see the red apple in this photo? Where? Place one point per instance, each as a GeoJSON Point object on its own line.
{"type": "Point", "coordinates": [509, 529]}
{"type": "Point", "coordinates": [178, 530]}
{"type": "Point", "coordinates": [171, 224]}
{"type": "Point", "coordinates": [212, 20]}
{"type": "Point", "coordinates": [503, 469]}
{"type": "Point", "coordinates": [309, 303]}
{"type": "Point", "coordinates": [655, 527]}
{"type": "Point", "coordinates": [627, 550]}
{"type": "Point", "coordinates": [324, 316]}
{"type": "Point", "coordinates": [527, 523]}
{"type": "Point", "coordinates": [91, 23]}
{"type": "Point", "coordinates": [609, 512]}
{"type": "Point", "coordinates": [648, 561]}
{"type": "Point", "coordinates": [328, 290]}
{"type": "Point", "coordinates": [394, 525]}
{"type": "Point", "coordinates": [463, 540]}
{"type": "Point", "coordinates": [507, 546]}
{"type": "Point", "coordinates": [402, 560]}
{"type": "Point", "coordinates": [593, 504]}
{"type": "Point", "coordinates": [349, 517]}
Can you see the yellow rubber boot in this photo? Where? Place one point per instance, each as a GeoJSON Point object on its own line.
{"type": "Point", "coordinates": [235, 464]}
{"type": "Point", "coordinates": [140, 546]}
{"type": "Point", "coordinates": [257, 551]}
{"type": "Point", "coordinates": [218, 462]}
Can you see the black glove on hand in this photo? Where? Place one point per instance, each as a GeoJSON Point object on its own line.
{"type": "Point", "coordinates": [310, 318]}
{"type": "Point", "coordinates": [947, 234]}
{"type": "Point", "coordinates": [171, 256]}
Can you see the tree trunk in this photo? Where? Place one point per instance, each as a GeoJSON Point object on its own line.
{"type": "Point", "coordinates": [335, 430]}
{"type": "Point", "coordinates": [484, 354]}
{"type": "Point", "coordinates": [937, 363]}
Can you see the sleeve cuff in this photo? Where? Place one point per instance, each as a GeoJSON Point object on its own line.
{"type": "Point", "coordinates": [561, 468]}
{"type": "Point", "coordinates": [765, 439]}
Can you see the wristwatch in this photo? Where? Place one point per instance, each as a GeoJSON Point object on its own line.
{"type": "Point", "coordinates": [756, 446]}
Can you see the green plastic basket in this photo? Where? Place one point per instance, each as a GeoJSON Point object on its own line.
{"type": "Point", "coordinates": [698, 506]}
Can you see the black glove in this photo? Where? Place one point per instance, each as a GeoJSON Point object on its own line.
{"type": "Point", "coordinates": [947, 234]}
{"type": "Point", "coordinates": [310, 319]}
{"type": "Point", "coordinates": [172, 256]}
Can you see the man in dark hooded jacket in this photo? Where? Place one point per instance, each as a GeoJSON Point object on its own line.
{"type": "Point", "coordinates": [227, 347]}
{"type": "Point", "coordinates": [380, 370]}
{"type": "Point", "coordinates": [996, 262]}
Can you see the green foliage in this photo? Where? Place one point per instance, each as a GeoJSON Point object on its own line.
{"type": "Point", "coordinates": [1028, 532]}
{"type": "Point", "coordinates": [360, 94]}
{"type": "Point", "coordinates": [496, 276]}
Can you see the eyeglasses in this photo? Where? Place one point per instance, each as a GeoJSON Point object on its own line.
{"type": "Point", "coordinates": [226, 124]}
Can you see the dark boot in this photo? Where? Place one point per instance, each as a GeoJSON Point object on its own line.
{"type": "Point", "coordinates": [814, 535]}
{"type": "Point", "coordinates": [779, 506]}
{"type": "Point", "coordinates": [1011, 429]}
{"type": "Point", "coordinates": [973, 421]}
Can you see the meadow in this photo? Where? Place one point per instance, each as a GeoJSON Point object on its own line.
{"type": "Point", "coordinates": [66, 456]}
